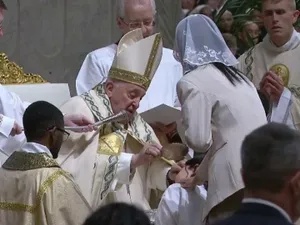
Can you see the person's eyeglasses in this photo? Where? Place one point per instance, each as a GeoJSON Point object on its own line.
{"type": "Point", "coordinates": [65, 133]}
{"type": "Point", "coordinates": [138, 24]}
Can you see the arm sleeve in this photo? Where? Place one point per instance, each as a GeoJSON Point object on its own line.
{"type": "Point", "coordinates": [91, 73]}
{"type": "Point", "coordinates": [157, 175]}
{"type": "Point", "coordinates": [124, 174]}
{"type": "Point", "coordinates": [63, 203]}
{"type": "Point", "coordinates": [196, 108]}
{"type": "Point", "coordinates": [6, 125]}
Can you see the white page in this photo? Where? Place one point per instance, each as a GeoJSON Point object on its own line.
{"type": "Point", "coordinates": [163, 113]}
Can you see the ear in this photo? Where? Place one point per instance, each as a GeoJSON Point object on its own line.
{"type": "Point", "coordinates": [296, 15]}
{"type": "Point", "coordinates": [295, 185]}
{"type": "Point", "coordinates": [109, 87]}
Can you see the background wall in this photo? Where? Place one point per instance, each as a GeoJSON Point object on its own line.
{"type": "Point", "coordinates": [52, 37]}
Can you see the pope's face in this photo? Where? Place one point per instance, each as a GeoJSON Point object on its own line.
{"type": "Point", "coordinates": [279, 17]}
{"type": "Point", "coordinates": [1, 21]}
{"type": "Point", "coordinates": [138, 15]}
{"type": "Point", "coordinates": [124, 96]}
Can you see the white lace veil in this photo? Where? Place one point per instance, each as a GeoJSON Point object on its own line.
{"type": "Point", "coordinates": [198, 41]}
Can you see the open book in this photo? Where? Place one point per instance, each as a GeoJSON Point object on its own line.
{"type": "Point", "coordinates": [163, 114]}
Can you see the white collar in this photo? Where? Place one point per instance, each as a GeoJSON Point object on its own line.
{"type": "Point", "coordinates": [293, 43]}
{"type": "Point", "coordinates": [270, 204]}
{"type": "Point", "coordinates": [32, 147]}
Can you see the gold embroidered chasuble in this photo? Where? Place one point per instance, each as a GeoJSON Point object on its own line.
{"type": "Point", "coordinates": [257, 61]}
{"type": "Point", "coordinates": [94, 158]}
{"type": "Point", "coordinates": [35, 190]}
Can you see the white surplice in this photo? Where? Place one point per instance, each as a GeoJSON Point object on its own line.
{"type": "Point", "coordinates": [258, 60]}
{"type": "Point", "coordinates": [12, 109]}
{"type": "Point", "coordinates": [162, 90]}
{"type": "Point", "coordinates": [179, 206]}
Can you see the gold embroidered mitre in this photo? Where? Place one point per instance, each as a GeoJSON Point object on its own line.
{"type": "Point", "coordinates": [137, 58]}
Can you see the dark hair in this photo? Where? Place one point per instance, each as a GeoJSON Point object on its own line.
{"type": "Point", "coordinates": [193, 162]}
{"type": "Point", "coordinates": [269, 154]}
{"type": "Point", "coordinates": [231, 73]}
{"type": "Point", "coordinates": [39, 117]}
{"type": "Point", "coordinates": [118, 214]}
{"type": "Point", "coordinates": [2, 5]}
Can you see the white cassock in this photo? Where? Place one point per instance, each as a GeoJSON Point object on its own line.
{"type": "Point", "coordinates": [264, 57]}
{"type": "Point", "coordinates": [162, 90]}
{"type": "Point", "coordinates": [11, 110]}
{"type": "Point", "coordinates": [179, 206]}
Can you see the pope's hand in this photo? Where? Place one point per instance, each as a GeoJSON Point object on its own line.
{"type": "Point", "coordinates": [79, 120]}
{"type": "Point", "coordinates": [146, 155]}
{"type": "Point", "coordinates": [17, 129]}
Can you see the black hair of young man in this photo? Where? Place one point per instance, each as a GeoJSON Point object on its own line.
{"type": "Point", "coordinates": [118, 214]}
{"type": "Point", "coordinates": [44, 124]}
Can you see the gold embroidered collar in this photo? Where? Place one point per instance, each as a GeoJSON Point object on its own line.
{"type": "Point", "coordinates": [29, 161]}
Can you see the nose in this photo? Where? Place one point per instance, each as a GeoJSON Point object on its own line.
{"type": "Point", "coordinates": [144, 30]}
{"type": "Point", "coordinates": [136, 103]}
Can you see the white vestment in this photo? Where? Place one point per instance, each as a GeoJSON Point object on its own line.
{"type": "Point", "coordinates": [162, 90]}
{"type": "Point", "coordinates": [260, 59]}
{"type": "Point", "coordinates": [179, 206]}
{"type": "Point", "coordinates": [12, 109]}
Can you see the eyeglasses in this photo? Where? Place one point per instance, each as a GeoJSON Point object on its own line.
{"type": "Point", "coordinates": [138, 24]}
{"type": "Point", "coordinates": [65, 133]}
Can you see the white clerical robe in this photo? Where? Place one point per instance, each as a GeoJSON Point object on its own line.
{"type": "Point", "coordinates": [12, 109]}
{"type": "Point", "coordinates": [179, 206]}
{"type": "Point", "coordinates": [260, 59]}
{"type": "Point", "coordinates": [162, 90]}
{"type": "Point", "coordinates": [103, 171]}
{"type": "Point", "coordinates": [35, 190]}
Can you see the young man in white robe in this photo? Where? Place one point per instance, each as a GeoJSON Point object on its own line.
{"type": "Point", "coordinates": [132, 14]}
{"type": "Point", "coordinates": [34, 189]}
{"type": "Point", "coordinates": [273, 64]}
{"type": "Point", "coordinates": [181, 206]}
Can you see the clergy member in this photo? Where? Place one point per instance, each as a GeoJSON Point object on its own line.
{"type": "Point", "coordinates": [273, 66]}
{"type": "Point", "coordinates": [34, 189]}
{"type": "Point", "coordinates": [105, 161]}
{"type": "Point", "coordinates": [133, 14]}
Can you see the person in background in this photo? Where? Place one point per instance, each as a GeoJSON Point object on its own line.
{"type": "Point", "coordinates": [34, 189]}
{"type": "Point", "coordinates": [203, 9]}
{"type": "Point", "coordinates": [118, 214]}
{"type": "Point", "coordinates": [271, 172]}
{"type": "Point", "coordinates": [220, 106]}
{"type": "Point", "coordinates": [231, 42]}
{"type": "Point", "coordinates": [226, 22]}
{"type": "Point", "coordinates": [272, 65]}
{"type": "Point", "coordinates": [248, 37]}
{"type": "Point", "coordinates": [180, 206]}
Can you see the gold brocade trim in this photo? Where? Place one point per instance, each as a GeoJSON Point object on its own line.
{"type": "Point", "coordinates": [152, 56]}
{"type": "Point", "coordinates": [142, 80]}
{"type": "Point", "coordinates": [33, 208]}
{"type": "Point", "coordinates": [29, 161]}
{"type": "Point", "coordinates": [129, 77]}
{"type": "Point", "coordinates": [11, 73]}
{"type": "Point", "coordinates": [111, 144]}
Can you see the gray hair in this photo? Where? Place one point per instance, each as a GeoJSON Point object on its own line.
{"type": "Point", "coordinates": [269, 155]}
{"type": "Point", "coordinates": [120, 6]}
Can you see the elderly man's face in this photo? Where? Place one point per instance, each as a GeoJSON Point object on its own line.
{"type": "Point", "coordinates": [138, 15]}
{"type": "Point", "coordinates": [251, 29]}
{"type": "Point", "coordinates": [124, 96]}
{"type": "Point", "coordinates": [1, 21]}
{"type": "Point", "coordinates": [278, 18]}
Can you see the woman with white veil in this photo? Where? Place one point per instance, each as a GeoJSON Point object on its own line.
{"type": "Point", "coordinates": [220, 107]}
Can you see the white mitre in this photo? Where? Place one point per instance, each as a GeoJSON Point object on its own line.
{"type": "Point", "coordinates": [137, 58]}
